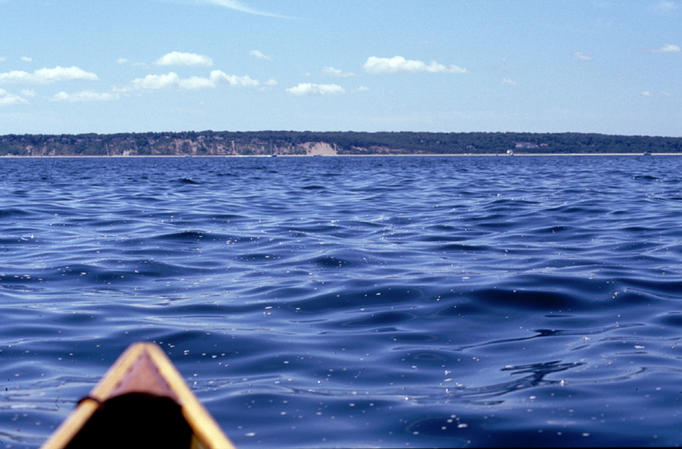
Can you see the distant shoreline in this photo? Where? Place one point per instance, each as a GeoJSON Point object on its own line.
{"type": "Point", "coordinates": [208, 156]}
{"type": "Point", "coordinates": [342, 143]}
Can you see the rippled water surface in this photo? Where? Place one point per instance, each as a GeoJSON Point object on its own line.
{"type": "Point", "coordinates": [322, 302]}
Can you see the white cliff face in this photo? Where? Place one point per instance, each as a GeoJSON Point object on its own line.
{"type": "Point", "coordinates": [319, 149]}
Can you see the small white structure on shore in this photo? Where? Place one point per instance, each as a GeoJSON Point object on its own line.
{"type": "Point", "coordinates": [510, 152]}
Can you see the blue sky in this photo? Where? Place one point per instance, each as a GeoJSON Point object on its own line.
{"type": "Point", "coordinates": [75, 66]}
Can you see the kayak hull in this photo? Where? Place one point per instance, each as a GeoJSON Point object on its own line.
{"type": "Point", "coordinates": [142, 401]}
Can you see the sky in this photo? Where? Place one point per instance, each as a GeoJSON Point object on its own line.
{"type": "Point", "coordinates": [107, 66]}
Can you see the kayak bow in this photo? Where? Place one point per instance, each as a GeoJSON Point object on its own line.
{"type": "Point", "coordinates": [142, 401]}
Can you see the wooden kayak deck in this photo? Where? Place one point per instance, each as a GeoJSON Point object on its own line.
{"type": "Point", "coordinates": [142, 401]}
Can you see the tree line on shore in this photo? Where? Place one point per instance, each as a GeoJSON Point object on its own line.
{"type": "Point", "coordinates": [341, 142]}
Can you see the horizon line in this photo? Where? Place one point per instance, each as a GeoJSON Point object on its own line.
{"type": "Point", "coordinates": [338, 131]}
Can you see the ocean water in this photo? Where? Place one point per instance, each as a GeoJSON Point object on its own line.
{"type": "Point", "coordinates": [341, 302]}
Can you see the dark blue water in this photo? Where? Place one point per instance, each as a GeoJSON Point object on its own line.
{"type": "Point", "coordinates": [325, 302]}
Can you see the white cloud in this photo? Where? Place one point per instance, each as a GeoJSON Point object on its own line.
{"type": "Point", "coordinates": [667, 48]}
{"type": "Point", "coordinates": [233, 80]}
{"type": "Point", "coordinates": [195, 82]}
{"type": "Point", "coordinates": [259, 55]}
{"type": "Point", "coordinates": [241, 7]}
{"type": "Point", "coordinates": [362, 89]}
{"type": "Point", "coordinates": [8, 99]}
{"type": "Point", "coordinates": [26, 59]}
{"type": "Point", "coordinates": [660, 93]}
{"type": "Point", "coordinates": [184, 59]}
{"type": "Point", "coordinates": [122, 61]}
{"type": "Point", "coordinates": [580, 56]}
{"type": "Point", "coordinates": [666, 5]}
{"type": "Point", "coordinates": [267, 85]}
{"type": "Point", "coordinates": [46, 75]}
{"type": "Point", "coordinates": [332, 71]}
{"type": "Point", "coordinates": [28, 92]}
{"type": "Point", "coordinates": [398, 64]}
{"type": "Point", "coordinates": [315, 89]}
{"type": "Point", "coordinates": [172, 80]}
{"type": "Point", "coordinates": [85, 95]}
{"type": "Point", "coordinates": [508, 82]}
